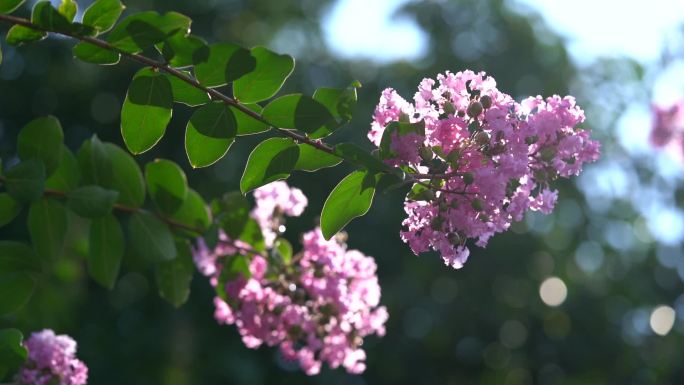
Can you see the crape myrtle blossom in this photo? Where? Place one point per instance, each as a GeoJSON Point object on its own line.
{"type": "Point", "coordinates": [668, 128]}
{"type": "Point", "coordinates": [317, 305]}
{"type": "Point", "coordinates": [479, 159]}
{"type": "Point", "coordinates": [51, 361]}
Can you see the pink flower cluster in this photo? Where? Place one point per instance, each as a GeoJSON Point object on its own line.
{"type": "Point", "coordinates": [52, 361]}
{"type": "Point", "coordinates": [668, 127]}
{"type": "Point", "coordinates": [317, 306]}
{"type": "Point", "coordinates": [479, 158]}
{"type": "Point", "coordinates": [272, 202]}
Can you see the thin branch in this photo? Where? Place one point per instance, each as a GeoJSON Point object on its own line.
{"type": "Point", "coordinates": [216, 95]}
{"type": "Point", "coordinates": [132, 210]}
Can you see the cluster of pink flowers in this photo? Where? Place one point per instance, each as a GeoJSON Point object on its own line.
{"type": "Point", "coordinates": [317, 306]}
{"type": "Point", "coordinates": [668, 127]}
{"type": "Point", "coordinates": [480, 159]}
{"type": "Point", "coordinates": [52, 361]}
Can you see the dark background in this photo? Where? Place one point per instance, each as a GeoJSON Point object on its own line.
{"type": "Point", "coordinates": [483, 324]}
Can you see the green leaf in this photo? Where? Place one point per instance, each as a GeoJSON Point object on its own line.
{"type": "Point", "coordinates": [111, 167]}
{"type": "Point", "coordinates": [283, 251]}
{"type": "Point", "coordinates": [246, 124]}
{"type": "Point", "coordinates": [312, 159]}
{"type": "Point", "coordinates": [146, 111]}
{"type": "Point", "coordinates": [182, 50]}
{"type": "Point", "coordinates": [106, 250]}
{"type": "Point", "coordinates": [17, 288]}
{"type": "Point", "coordinates": [95, 162]}
{"type": "Point", "coordinates": [127, 178]}
{"type": "Point", "coordinates": [234, 266]}
{"type": "Point", "coordinates": [92, 201]}
{"type": "Point", "coordinates": [47, 224]}
{"type": "Point", "coordinates": [193, 212]}
{"type": "Point", "coordinates": [103, 14]}
{"type": "Point", "coordinates": [185, 93]}
{"type": "Point", "coordinates": [253, 236]}
{"type": "Point", "coordinates": [360, 157]}
{"type": "Point", "coordinates": [9, 6]}
{"type": "Point", "coordinates": [17, 256]}
{"type": "Point", "coordinates": [68, 9]}
{"type": "Point", "coordinates": [67, 176]}
{"type": "Point", "coordinates": [225, 63]}
{"type": "Point", "coordinates": [150, 238]}
{"type": "Point", "coordinates": [340, 102]}
{"type": "Point", "coordinates": [91, 53]}
{"type": "Point", "coordinates": [46, 16]}
{"type": "Point", "coordinates": [401, 129]}
{"type": "Point", "coordinates": [266, 79]}
{"type": "Point", "coordinates": [299, 112]}
{"type": "Point", "coordinates": [25, 181]}
{"type": "Point", "coordinates": [174, 277]}
{"type": "Point", "coordinates": [209, 134]}
{"type": "Point", "coordinates": [12, 351]}
{"type": "Point", "coordinates": [351, 198]}
{"type": "Point", "coordinates": [9, 208]}
{"type": "Point", "coordinates": [232, 212]}
{"type": "Point", "coordinates": [145, 29]}
{"type": "Point", "coordinates": [42, 139]}
{"type": "Point", "coordinates": [166, 184]}
{"type": "Point", "coordinates": [19, 34]}
{"type": "Point", "coordinates": [272, 160]}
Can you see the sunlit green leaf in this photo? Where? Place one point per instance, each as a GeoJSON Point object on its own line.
{"type": "Point", "coordinates": [209, 134]}
{"type": "Point", "coordinates": [106, 250]}
{"type": "Point", "coordinates": [9, 6]}
{"type": "Point", "coordinates": [273, 159]}
{"type": "Point", "coordinates": [266, 79]}
{"type": "Point", "coordinates": [146, 111]}
{"type": "Point", "coordinates": [360, 157]}
{"type": "Point", "coordinates": [68, 9]}
{"type": "Point", "coordinates": [224, 63]}
{"type": "Point", "coordinates": [91, 53]}
{"type": "Point", "coordinates": [299, 112]}
{"type": "Point", "coordinates": [126, 176]}
{"type": "Point", "coordinates": [186, 93]}
{"type": "Point", "coordinates": [145, 29]}
{"type": "Point", "coordinates": [181, 49]}
{"type": "Point", "coordinates": [46, 16]}
{"type": "Point", "coordinates": [246, 124]}
{"type": "Point", "coordinates": [351, 198]}
{"type": "Point", "coordinates": [103, 14]}
{"type": "Point", "coordinates": [18, 34]}
{"type": "Point", "coordinates": [312, 159]}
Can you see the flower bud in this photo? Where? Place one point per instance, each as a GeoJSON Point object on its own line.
{"type": "Point", "coordinates": [468, 178]}
{"type": "Point", "coordinates": [476, 204]}
{"type": "Point", "coordinates": [481, 138]}
{"type": "Point", "coordinates": [437, 223]}
{"type": "Point", "coordinates": [547, 153]}
{"type": "Point", "coordinates": [460, 114]}
{"type": "Point", "coordinates": [449, 108]}
{"type": "Point", "coordinates": [486, 101]}
{"type": "Point", "coordinates": [474, 109]}
{"type": "Point", "coordinates": [426, 153]}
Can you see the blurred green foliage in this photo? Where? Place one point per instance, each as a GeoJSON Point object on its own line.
{"type": "Point", "coordinates": [484, 324]}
